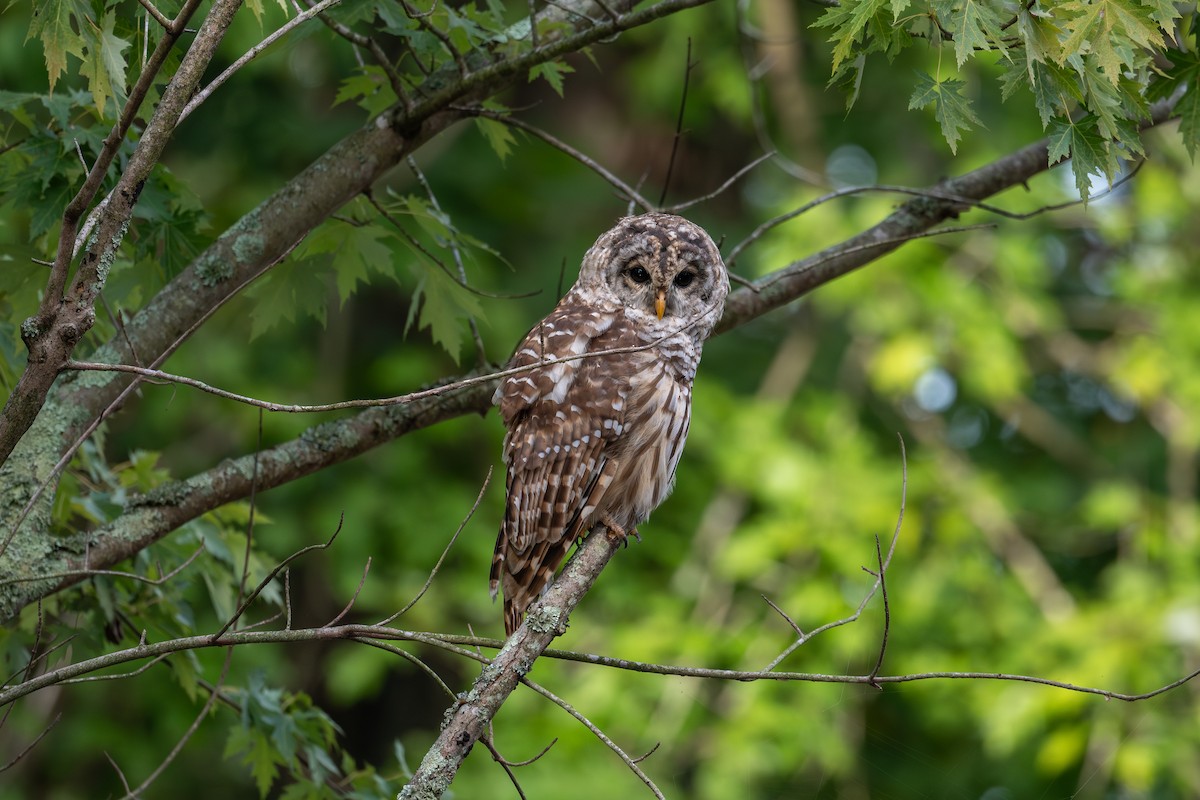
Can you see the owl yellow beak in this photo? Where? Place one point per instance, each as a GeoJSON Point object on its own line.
{"type": "Point", "coordinates": [660, 303]}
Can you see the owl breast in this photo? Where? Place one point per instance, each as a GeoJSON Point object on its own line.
{"type": "Point", "coordinates": [660, 402]}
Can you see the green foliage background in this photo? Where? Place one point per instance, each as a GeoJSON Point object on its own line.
{"type": "Point", "coordinates": [1042, 373]}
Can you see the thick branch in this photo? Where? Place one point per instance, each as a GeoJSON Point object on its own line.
{"type": "Point", "coordinates": [546, 620]}
{"type": "Point", "coordinates": [165, 509]}
{"type": "Point", "coordinates": [914, 217]}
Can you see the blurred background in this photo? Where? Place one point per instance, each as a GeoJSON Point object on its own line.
{"type": "Point", "coordinates": [1042, 373]}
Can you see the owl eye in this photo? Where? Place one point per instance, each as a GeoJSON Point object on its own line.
{"type": "Point", "coordinates": [684, 279]}
{"type": "Point", "coordinates": [639, 275]}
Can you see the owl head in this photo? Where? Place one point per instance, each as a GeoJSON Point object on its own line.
{"type": "Point", "coordinates": [665, 271]}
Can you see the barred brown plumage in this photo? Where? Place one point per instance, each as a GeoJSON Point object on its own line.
{"type": "Point", "coordinates": [597, 423]}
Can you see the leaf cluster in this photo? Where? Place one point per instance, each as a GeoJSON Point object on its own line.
{"type": "Point", "coordinates": [1091, 66]}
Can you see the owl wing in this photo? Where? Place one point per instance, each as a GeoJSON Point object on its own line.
{"type": "Point", "coordinates": [562, 418]}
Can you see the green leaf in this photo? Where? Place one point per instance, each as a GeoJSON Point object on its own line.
{"type": "Point", "coordinates": [52, 24]}
{"type": "Point", "coordinates": [952, 110]}
{"type": "Point", "coordinates": [1188, 110]}
{"type": "Point", "coordinates": [256, 752]}
{"type": "Point", "coordinates": [1041, 37]}
{"type": "Point", "coordinates": [103, 65]}
{"type": "Point", "coordinates": [444, 305]}
{"type": "Point", "coordinates": [357, 251]}
{"type": "Point", "coordinates": [290, 291]}
{"type": "Point", "coordinates": [848, 20]}
{"type": "Point", "coordinates": [553, 72]}
{"type": "Point", "coordinates": [1090, 152]}
{"type": "Point", "coordinates": [370, 89]}
{"type": "Point", "coordinates": [976, 25]}
{"type": "Point", "coordinates": [849, 77]}
{"type": "Point", "coordinates": [1109, 30]}
{"type": "Point", "coordinates": [498, 136]}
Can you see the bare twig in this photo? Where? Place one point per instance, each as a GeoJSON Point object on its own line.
{"type": "Point", "coordinates": [117, 676]}
{"type": "Point", "coordinates": [783, 614]}
{"type": "Point", "coordinates": [120, 773]}
{"type": "Point", "coordinates": [504, 765]}
{"type": "Point", "coordinates": [250, 521]}
{"type": "Point", "coordinates": [159, 581]}
{"type": "Point", "coordinates": [687, 74]}
{"type": "Point", "coordinates": [599, 734]}
{"type": "Point", "coordinates": [387, 401]}
{"type": "Point", "coordinates": [253, 53]}
{"type": "Point", "coordinates": [354, 598]}
{"type": "Point", "coordinates": [433, 573]}
{"type": "Point", "coordinates": [887, 611]}
{"type": "Point", "coordinates": [675, 209]}
{"type": "Point", "coordinates": [624, 189]}
{"type": "Point", "coordinates": [159, 17]}
{"type": "Point", "coordinates": [529, 761]}
{"type": "Point", "coordinates": [25, 750]}
{"type": "Point", "coordinates": [870, 594]}
{"type": "Point", "coordinates": [648, 753]}
{"type": "Point", "coordinates": [131, 794]}
{"type": "Point", "coordinates": [932, 193]}
{"type": "Point", "coordinates": [271, 576]}
{"type": "Point", "coordinates": [784, 274]}
{"type": "Point", "coordinates": [451, 643]}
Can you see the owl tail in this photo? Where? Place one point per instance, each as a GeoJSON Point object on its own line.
{"type": "Point", "coordinates": [512, 617]}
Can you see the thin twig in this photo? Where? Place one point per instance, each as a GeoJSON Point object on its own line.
{"type": "Point", "coordinates": [250, 521]}
{"type": "Point", "coordinates": [504, 765]}
{"type": "Point", "coordinates": [271, 576]}
{"type": "Point", "coordinates": [153, 11]}
{"type": "Point", "coordinates": [253, 53]}
{"type": "Point", "coordinates": [25, 750]}
{"type": "Point", "coordinates": [783, 614]}
{"type": "Point", "coordinates": [120, 774]}
{"type": "Point", "coordinates": [371, 46]}
{"type": "Point", "coordinates": [112, 573]}
{"type": "Point", "coordinates": [687, 74]}
{"type": "Point", "coordinates": [622, 188]}
{"type": "Point", "coordinates": [785, 274]}
{"type": "Point", "coordinates": [445, 551]}
{"type": "Point", "coordinates": [599, 734]}
{"type": "Point", "coordinates": [187, 735]}
{"type": "Point", "coordinates": [932, 193]}
{"type": "Point", "coordinates": [878, 581]}
{"type": "Point", "coordinates": [117, 676]}
{"type": "Point", "coordinates": [403, 399]}
{"type": "Point", "coordinates": [543, 752]}
{"type": "Point", "coordinates": [454, 643]}
{"type": "Point", "coordinates": [887, 611]}
{"type": "Point", "coordinates": [421, 665]}
{"type": "Point", "coordinates": [422, 19]}
{"type": "Point", "coordinates": [675, 209]}
{"type": "Point", "coordinates": [649, 753]}
{"type": "Point", "coordinates": [354, 598]}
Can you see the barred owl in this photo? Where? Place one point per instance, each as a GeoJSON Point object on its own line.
{"type": "Point", "coordinates": [597, 423]}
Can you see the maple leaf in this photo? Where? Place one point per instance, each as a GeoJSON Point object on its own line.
{"type": "Point", "coordinates": [952, 110]}
{"type": "Point", "coordinates": [52, 24]}
{"type": "Point", "coordinates": [103, 65]}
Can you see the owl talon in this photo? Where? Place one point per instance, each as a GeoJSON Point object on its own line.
{"type": "Point", "coordinates": [617, 532]}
